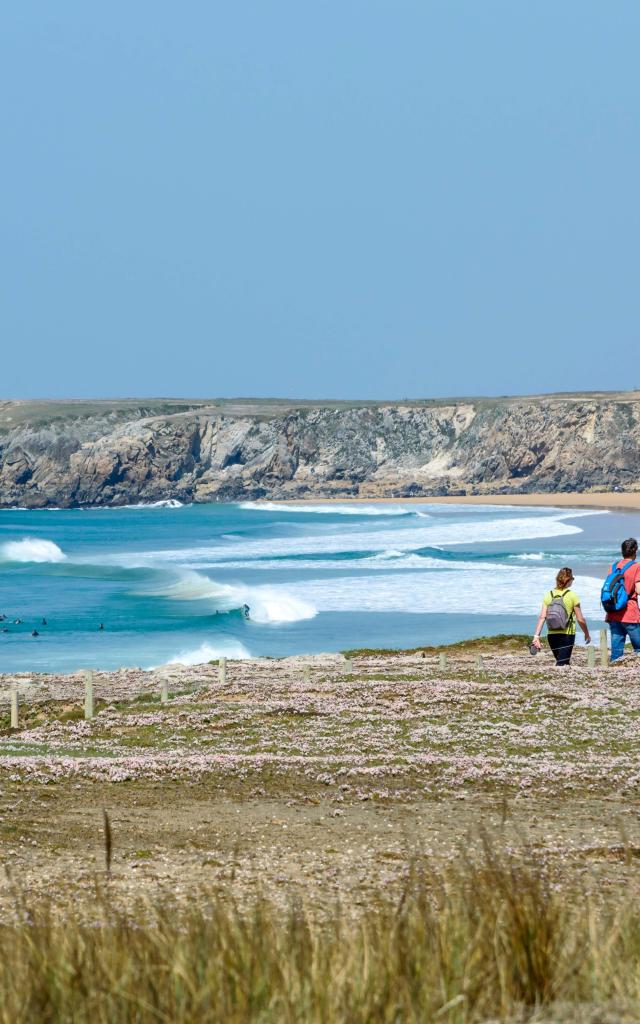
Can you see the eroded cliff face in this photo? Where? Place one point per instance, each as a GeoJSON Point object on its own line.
{"type": "Point", "coordinates": [108, 455]}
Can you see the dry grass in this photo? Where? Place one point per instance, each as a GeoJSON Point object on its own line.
{"type": "Point", "coordinates": [497, 939]}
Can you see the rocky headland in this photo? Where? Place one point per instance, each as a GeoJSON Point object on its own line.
{"type": "Point", "coordinates": [79, 453]}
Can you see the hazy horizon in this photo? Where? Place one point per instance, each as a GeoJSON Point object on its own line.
{"type": "Point", "coordinates": [391, 399]}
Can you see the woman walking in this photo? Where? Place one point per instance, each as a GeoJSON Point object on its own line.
{"type": "Point", "coordinates": [560, 610]}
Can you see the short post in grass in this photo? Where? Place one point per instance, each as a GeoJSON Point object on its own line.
{"type": "Point", "coordinates": [591, 656]}
{"type": "Point", "coordinates": [14, 709]}
{"type": "Point", "coordinates": [164, 690]}
{"type": "Point", "coordinates": [479, 664]}
{"type": "Point", "coordinates": [88, 694]}
{"type": "Point", "coordinates": [348, 666]}
{"type": "Point", "coordinates": [442, 660]}
{"type": "Point", "coordinates": [306, 672]}
{"type": "Point", "coordinates": [222, 671]}
{"type": "Point", "coordinates": [604, 652]}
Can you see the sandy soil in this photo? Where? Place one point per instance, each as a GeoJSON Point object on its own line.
{"type": "Point", "coordinates": [319, 777]}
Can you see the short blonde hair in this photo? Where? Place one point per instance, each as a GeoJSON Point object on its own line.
{"type": "Point", "coordinates": [564, 578]}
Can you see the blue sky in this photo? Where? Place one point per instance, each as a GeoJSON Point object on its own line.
{"type": "Point", "coordinates": [331, 199]}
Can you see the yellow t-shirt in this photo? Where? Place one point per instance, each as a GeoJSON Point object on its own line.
{"type": "Point", "coordinates": [570, 600]}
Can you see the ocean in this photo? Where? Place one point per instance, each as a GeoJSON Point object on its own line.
{"type": "Point", "coordinates": [169, 583]}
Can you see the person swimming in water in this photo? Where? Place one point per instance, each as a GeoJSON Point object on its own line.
{"type": "Point", "coordinates": [100, 627]}
{"type": "Point", "coordinates": [34, 632]}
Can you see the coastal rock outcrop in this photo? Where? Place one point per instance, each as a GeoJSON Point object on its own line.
{"type": "Point", "coordinates": [113, 453]}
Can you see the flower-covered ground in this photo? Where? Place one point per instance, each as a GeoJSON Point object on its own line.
{"type": "Point", "coordinates": [320, 775]}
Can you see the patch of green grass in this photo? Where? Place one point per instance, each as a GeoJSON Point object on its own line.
{"type": "Point", "coordinates": [500, 644]}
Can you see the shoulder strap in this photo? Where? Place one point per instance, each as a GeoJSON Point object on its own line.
{"type": "Point", "coordinates": [623, 568]}
{"type": "Point", "coordinates": [632, 592]}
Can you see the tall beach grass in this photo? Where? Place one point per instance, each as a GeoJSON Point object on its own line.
{"type": "Point", "coordinates": [497, 939]}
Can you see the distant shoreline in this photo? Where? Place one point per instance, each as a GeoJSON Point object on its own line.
{"type": "Point", "coordinates": [625, 501]}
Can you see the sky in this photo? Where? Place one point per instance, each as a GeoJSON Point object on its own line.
{"type": "Point", "coordinates": [337, 199]}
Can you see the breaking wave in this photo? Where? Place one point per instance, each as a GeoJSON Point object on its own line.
{"type": "Point", "coordinates": [266, 603]}
{"type": "Point", "coordinates": [164, 503]}
{"type": "Point", "coordinates": [332, 510]}
{"type": "Point", "coordinates": [208, 652]}
{"type": "Point", "coordinates": [404, 539]}
{"type": "Point", "coordinates": [31, 549]}
{"type": "Point", "coordinates": [466, 591]}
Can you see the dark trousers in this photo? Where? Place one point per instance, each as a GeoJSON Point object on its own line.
{"type": "Point", "coordinates": [562, 645]}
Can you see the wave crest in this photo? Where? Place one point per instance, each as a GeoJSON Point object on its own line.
{"type": "Point", "coordinates": [208, 652]}
{"type": "Point", "coordinates": [32, 549]}
{"type": "Point", "coordinates": [332, 510]}
{"type": "Point", "coordinates": [266, 604]}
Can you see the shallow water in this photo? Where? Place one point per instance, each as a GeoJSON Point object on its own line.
{"type": "Point", "coordinates": [170, 583]}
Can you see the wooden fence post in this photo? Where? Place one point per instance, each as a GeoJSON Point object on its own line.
{"type": "Point", "coordinates": [479, 664]}
{"type": "Point", "coordinates": [442, 661]}
{"type": "Point", "coordinates": [348, 666]}
{"type": "Point", "coordinates": [591, 656]}
{"type": "Point", "coordinates": [222, 671]}
{"type": "Point", "coordinates": [88, 694]}
{"type": "Point", "coordinates": [164, 691]}
{"type": "Point", "coordinates": [306, 672]}
{"type": "Point", "coordinates": [14, 709]}
{"type": "Point", "coordinates": [604, 653]}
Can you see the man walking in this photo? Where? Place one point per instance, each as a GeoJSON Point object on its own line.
{"type": "Point", "coordinates": [626, 623]}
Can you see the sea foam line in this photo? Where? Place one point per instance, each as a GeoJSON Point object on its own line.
{"type": "Point", "coordinates": [512, 590]}
{"type": "Point", "coordinates": [330, 509]}
{"type": "Point", "coordinates": [402, 539]}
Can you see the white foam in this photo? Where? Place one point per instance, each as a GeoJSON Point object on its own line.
{"type": "Point", "coordinates": [164, 503]}
{"type": "Point", "coordinates": [511, 591]}
{"type": "Point", "coordinates": [273, 604]}
{"type": "Point", "coordinates": [332, 510]}
{"type": "Point", "coordinates": [404, 538]}
{"type": "Point", "coordinates": [208, 652]}
{"type": "Point", "coordinates": [266, 604]}
{"type": "Point", "coordinates": [403, 560]}
{"type": "Point", "coordinates": [32, 549]}
{"type": "Point", "coordinates": [531, 556]}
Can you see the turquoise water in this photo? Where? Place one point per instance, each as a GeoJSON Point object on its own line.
{"type": "Point", "coordinates": [170, 583]}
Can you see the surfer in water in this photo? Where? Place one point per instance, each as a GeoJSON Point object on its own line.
{"type": "Point", "coordinates": [245, 610]}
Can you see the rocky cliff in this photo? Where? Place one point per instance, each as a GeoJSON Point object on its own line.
{"type": "Point", "coordinates": [112, 453]}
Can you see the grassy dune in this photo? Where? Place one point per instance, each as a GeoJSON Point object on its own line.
{"type": "Point", "coordinates": [384, 839]}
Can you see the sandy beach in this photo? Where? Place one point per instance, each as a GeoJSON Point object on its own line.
{"type": "Point", "coordinates": [625, 501]}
